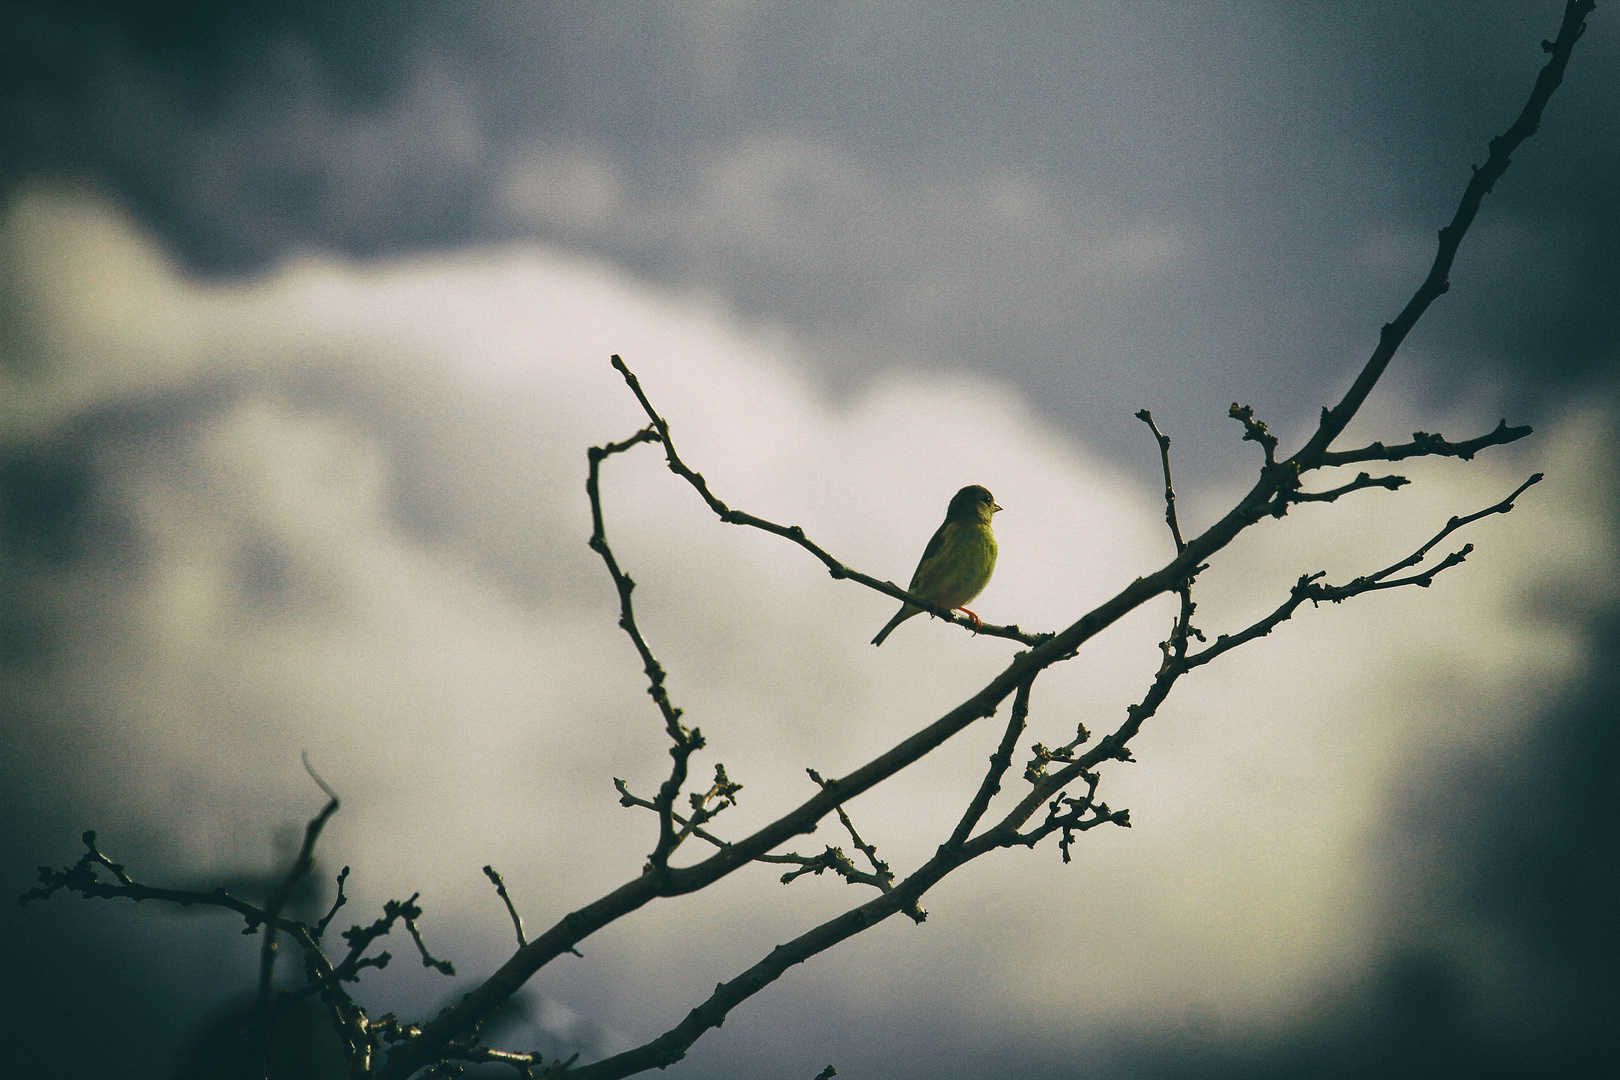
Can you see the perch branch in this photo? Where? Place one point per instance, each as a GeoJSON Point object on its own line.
{"type": "Point", "coordinates": [796, 533]}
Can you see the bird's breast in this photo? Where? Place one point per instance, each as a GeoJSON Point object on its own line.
{"type": "Point", "coordinates": [962, 568]}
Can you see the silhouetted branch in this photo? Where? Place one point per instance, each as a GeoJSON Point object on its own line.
{"type": "Point", "coordinates": [1253, 431]}
{"type": "Point", "coordinates": [671, 1046]}
{"type": "Point", "coordinates": [1307, 587]}
{"type": "Point", "coordinates": [1361, 481]}
{"type": "Point", "coordinates": [81, 878]}
{"type": "Point", "coordinates": [687, 825]}
{"type": "Point", "coordinates": [879, 867]}
{"type": "Point", "coordinates": [1334, 420]}
{"type": "Point", "coordinates": [320, 927]}
{"type": "Point", "coordinates": [1178, 663]}
{"type": "Point", "coordinates": [500, 889]}
{"type": "Point", "coordinates": [1503, 507]}
{"type": "Point", "coordinates": [1169, 488]}
{"type": "Point", "coordinates": [409, 912]}
{"type": "Point", "coordinates": [358, 1034]}
{"type": "Point", "coordinates": [881, 875]}
{"type": "Point", "coordinates": [301, 866]}
{"type": "Point", "coordinates": [831, 859]}
{"type": "Point", "coordinates": [999, 762]}
{"type": "Point", "coordinates": [685, 742]}
{"type": "Point", "coordinates": [834, 859]}
{"type": "Point", "coordinates": [1068, 814]}
{"type": "Point", "coordinates": [722, 793]}
{"type": "Point", "coordinates": [1424, 444]}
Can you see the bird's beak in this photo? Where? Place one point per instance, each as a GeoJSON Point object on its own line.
{"type": "Point", "coordinates": [994, 507]}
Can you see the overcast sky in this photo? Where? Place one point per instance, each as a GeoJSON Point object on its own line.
{"type": "Point", "coordinates": [304, 319]}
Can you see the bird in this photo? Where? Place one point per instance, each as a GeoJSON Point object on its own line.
{"type": "Point", "coordinates": [957, 563]}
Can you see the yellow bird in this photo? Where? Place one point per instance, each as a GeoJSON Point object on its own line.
{"type": "Point", "coordinates": [958, 562]}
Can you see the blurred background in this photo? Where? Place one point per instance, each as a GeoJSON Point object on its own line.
{"type": "Point", "coordinates": [305, 312]}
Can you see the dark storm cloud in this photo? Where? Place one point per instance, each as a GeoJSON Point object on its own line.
{"type": "Point", "coordinates": [846, 170]}
{"type": "Point", "coordinates": [240, 132]}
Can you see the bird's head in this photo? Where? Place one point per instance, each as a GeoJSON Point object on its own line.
{"type": "Point", "coordinates": [972, 502]}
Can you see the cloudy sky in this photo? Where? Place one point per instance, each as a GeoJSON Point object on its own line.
{"type": "Point", "coordinates": [305, 312]}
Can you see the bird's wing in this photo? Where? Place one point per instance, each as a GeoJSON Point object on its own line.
{"type": "Point", "coordinates": [933, 548]}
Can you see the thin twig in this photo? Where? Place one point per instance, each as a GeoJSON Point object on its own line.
{"type": "Point", "coordinates": [685, 741]}
{"type": "Point", "coordinates": [1424, 444]}
{"type": "Point", "coordinates": [320, 927]}
{"type": "Point", "coordinates": [1254, 431]}
{"type": "Point", "coordinates": [881, 875]}
{"type": "Point", "coordinates": [999, 763]}
{"type": "Point", "coordinates": [707, 805]}
{"type": "Point", "coordinates": [1361, 482]}
{"type": "Point", "coordinates": [500, 889]}
{"type": "Point", "coordinates": [301, 866]}
{"type": "Point", "coordinates": [1169, 488]}
{"type": "Point", "coordinates": [409, 912]}
{"type": "Point", "coordinates": [1503, 507]}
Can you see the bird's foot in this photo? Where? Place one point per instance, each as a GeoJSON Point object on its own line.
{"type": "Point", "coordinates": [978, 624]}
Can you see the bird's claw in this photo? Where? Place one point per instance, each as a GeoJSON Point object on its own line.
{"type": "Point", "coordinates": [978, 624]}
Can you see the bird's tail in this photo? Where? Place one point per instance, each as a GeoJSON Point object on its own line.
{"type": "Point", "coordinates": [906, 611]}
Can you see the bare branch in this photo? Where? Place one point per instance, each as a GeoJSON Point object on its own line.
{"type": "Point", "coordinates": [1169, 488]}
{"type": "Point", "coordinates": [1069, 814]}
{"type": "Point", "coordinates": [301, 866]}
{"type": "Point", "coordinates": [999, 762]}
{"type": "Point", "coordinates": [409, 912]}
{"type": "Point", "coordinates": [627, 798]}
{"type": "Point", "coordinates": [722, 793]}
{"type": "Point", "coordinates": [1361, 481]}
{"type": "Point", "coordinates": [671, 1046]}
{"type": "Point", "coordinates": [881, 876]}
{"type": "Point", "coordinates": [500, 889]}
{"type": "Point", "coordinates": [879, 867]}
{"type": "Point", "coordinates": [1253, 431]}
{"type": "Point", "coordinates": [1424, 444]}
{"type": "Point", "coordinates": [687, 825]}
{"type": "Point", "coordinates": [1503, 507]}
{"type": "Point", "coordinates": [348, 1018]}
{"type": "Point", "coordinates": [1307, 587]}
{"type": "Point", "coordinates": [320, 927]}
{"type": "Point", "coordinates": [684, 741]}
{"type": "Point", "coordinates": [81, 878]}
{"type": "Point", "coordinates": [834, 859]}
{"type": "Point", "coordinates": [1334, 420]}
